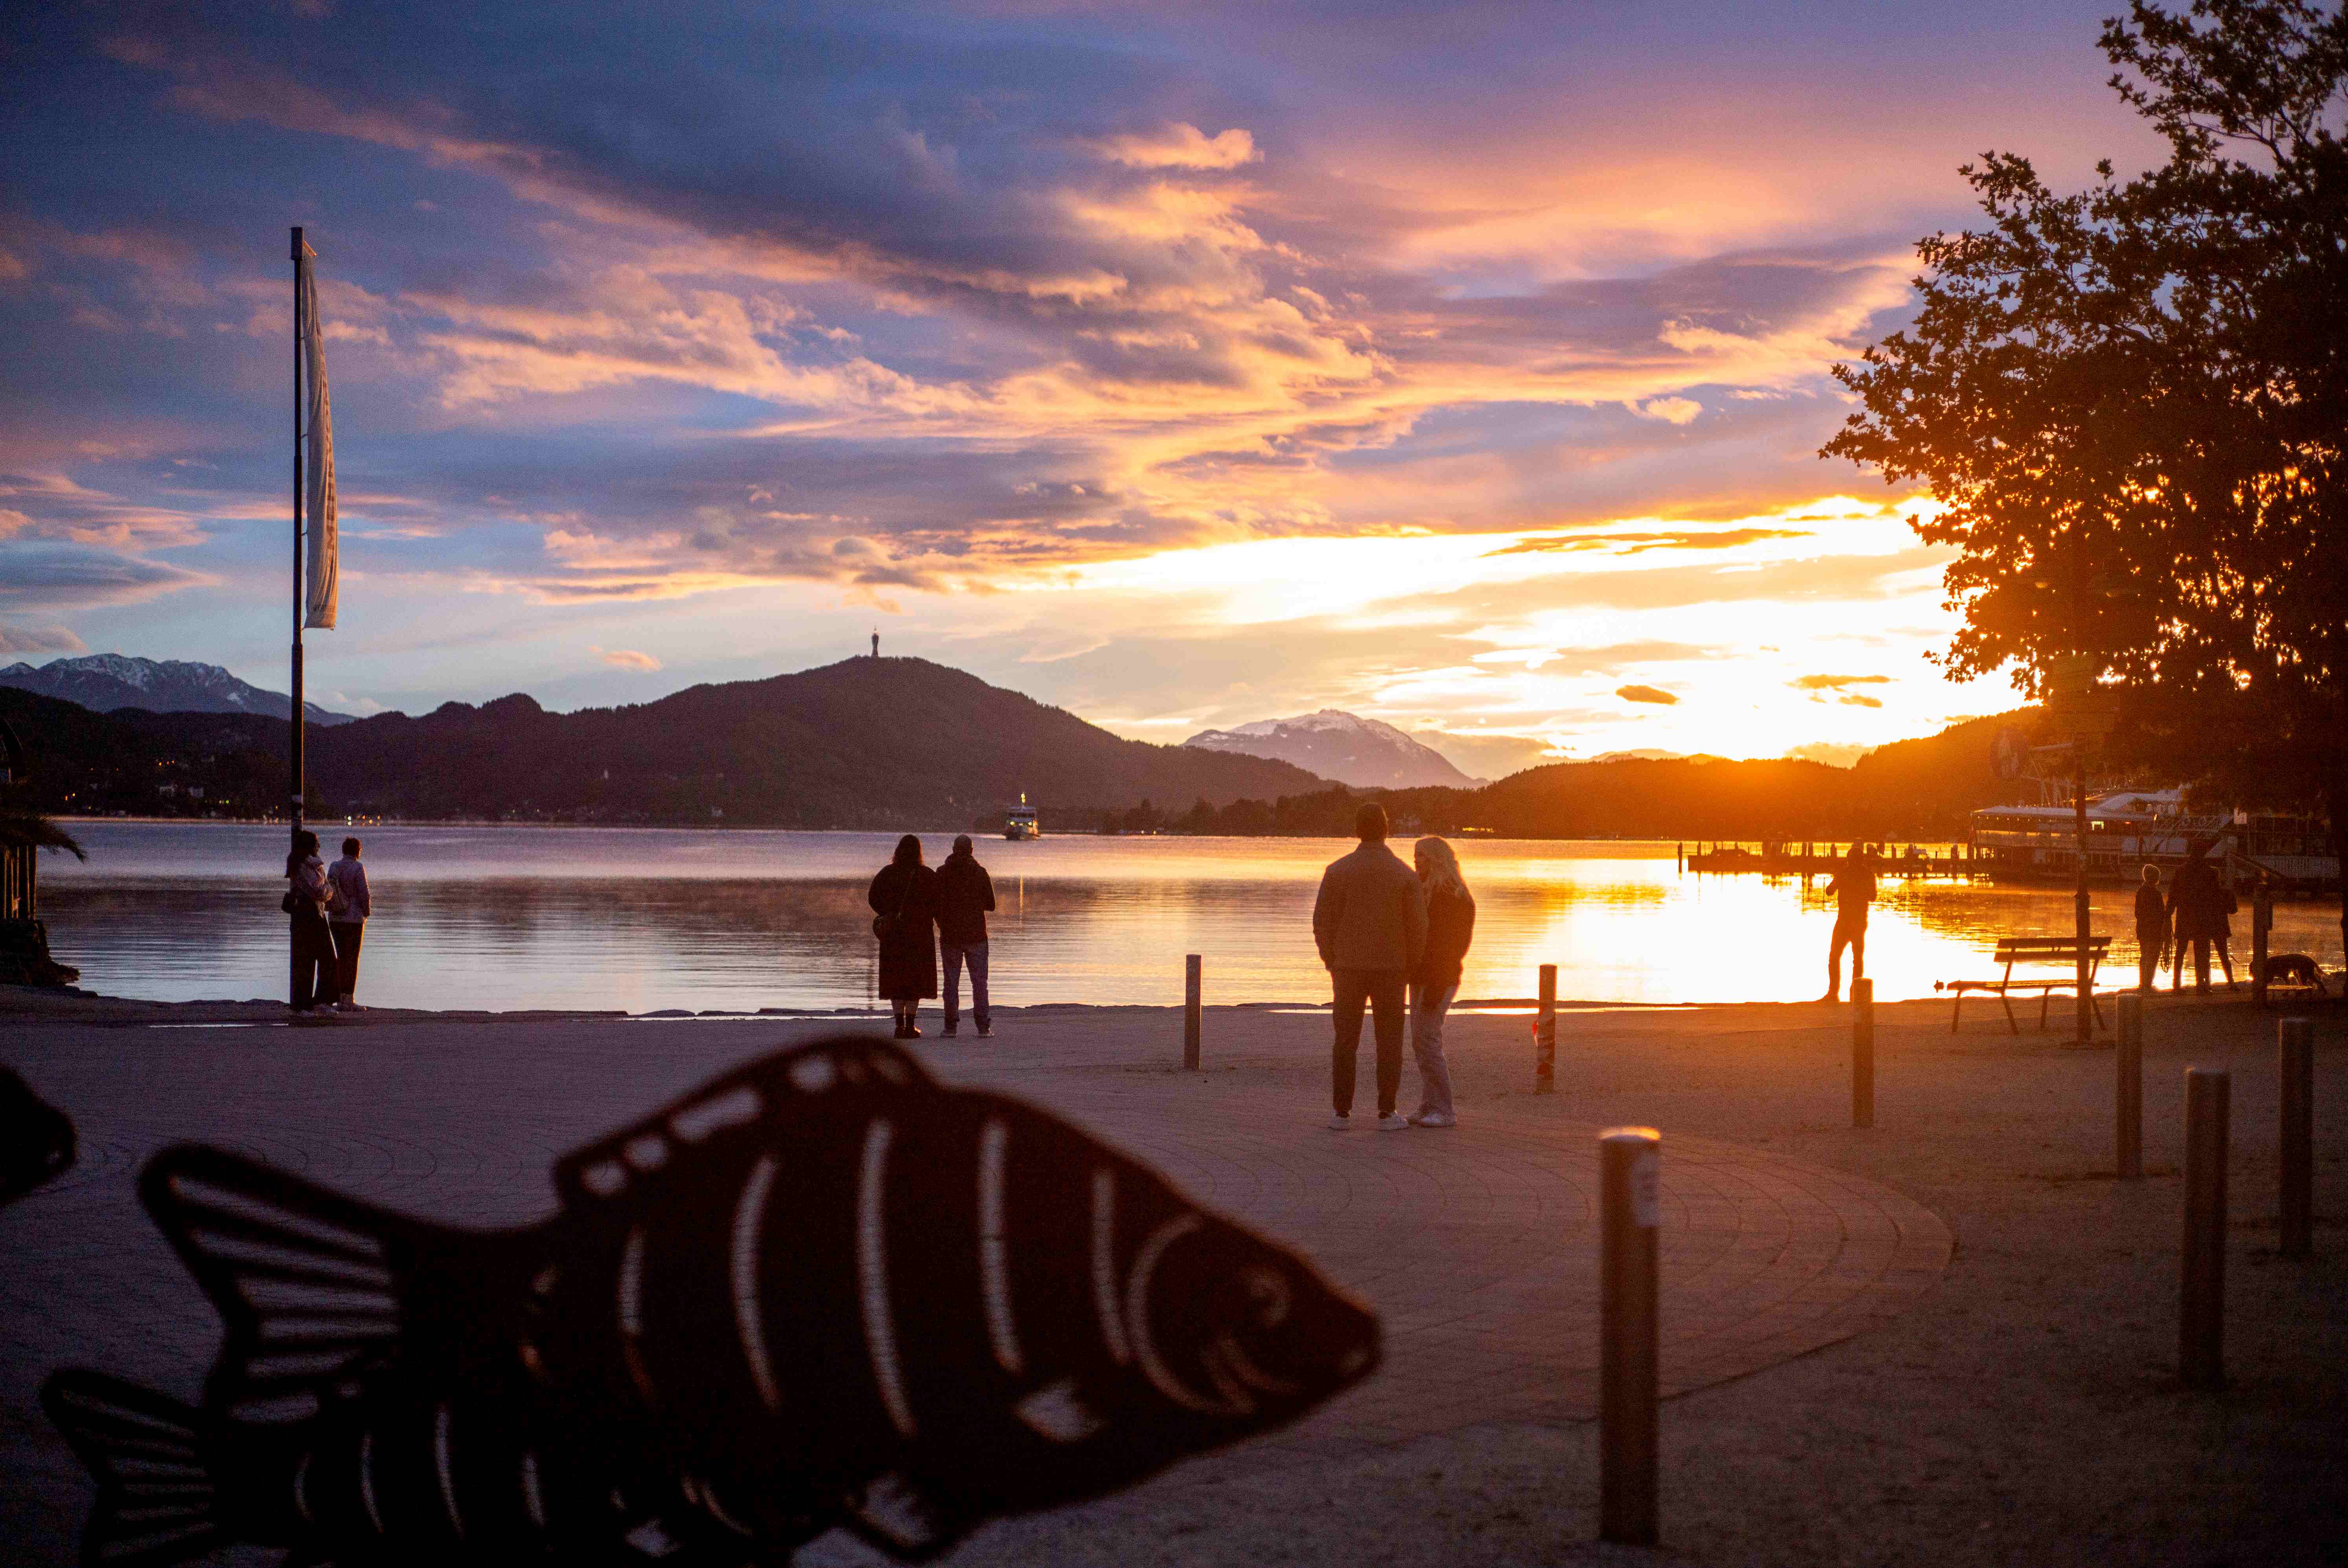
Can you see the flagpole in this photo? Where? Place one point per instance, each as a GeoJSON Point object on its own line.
{"type": "Point", "coordinates": [297, 982]}
{"type": "Point", "coordinates": [298, 327]}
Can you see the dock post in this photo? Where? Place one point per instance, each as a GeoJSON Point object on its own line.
{"type": "Point", "coordinates": [1629, 1185]}
{"type": "Point", "coordinates": [1862, 1053]}
{"type": "Point", "coordinates": [2201, 1306]}
{"type": "Point", "coordinates": [1679, 857]}
{"type": "Point", "coordinates": [2127, 1089]}
{"type": "Point", "coordinates": [1545, 1034]}
{"type": "Point", "coordinates": [2295, 1058]}
{"type": "Point", "coordinates": [1190, 967]}
{"type": "Point", "coordinates": [2261, 914]}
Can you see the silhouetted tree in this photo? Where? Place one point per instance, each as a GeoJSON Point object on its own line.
{"type": "Point", "coordinates": [1252, 818]}
{"type": "Point", "coordinates": [2132, 403]}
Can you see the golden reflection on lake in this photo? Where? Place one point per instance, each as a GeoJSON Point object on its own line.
{"type": "Point", "coordinates": [640, 921]}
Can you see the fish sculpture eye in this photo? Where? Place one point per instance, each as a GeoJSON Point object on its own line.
{"type": "Point", "coordinates": [1269, 1291]}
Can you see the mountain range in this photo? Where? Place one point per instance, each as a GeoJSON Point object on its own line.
{"type": "Point", "coordinates": [864, 744]}
{"type": "Point", "coordinates": [1342, 746]}
{"type": "Point", "coordinates": [902, 743]}
{"type": "Point", "coordinates": [103, 682]}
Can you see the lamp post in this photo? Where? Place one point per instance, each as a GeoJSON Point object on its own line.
{"type": "Point", "coordinates": [2070, 702]}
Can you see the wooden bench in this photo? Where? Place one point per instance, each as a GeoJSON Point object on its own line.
{"type": "Point", "coordinates": [2013, 950]}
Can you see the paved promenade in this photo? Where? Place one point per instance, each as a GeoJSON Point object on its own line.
{"type": "Point", "coordinates": [1949, 1338]}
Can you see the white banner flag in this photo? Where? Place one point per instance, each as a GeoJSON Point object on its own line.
{"type": "Point", "coordinates": [324, 550]}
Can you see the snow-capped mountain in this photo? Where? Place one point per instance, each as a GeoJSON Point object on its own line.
{"type": "Point", "coordinates": [1339, 745]}
{"type": "Point", "coordinates": [105, 682]}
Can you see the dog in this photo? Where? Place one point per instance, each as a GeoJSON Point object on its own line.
{"type": "Point", "coordinates": [2294, 969]}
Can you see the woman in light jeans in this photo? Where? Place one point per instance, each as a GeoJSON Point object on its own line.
{"type": "Point", "coordinates": [1450, 927]}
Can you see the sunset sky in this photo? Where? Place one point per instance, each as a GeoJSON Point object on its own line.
{"type": "Point", "coordinates": [1180, 365]}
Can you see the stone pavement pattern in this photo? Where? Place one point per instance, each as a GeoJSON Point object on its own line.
{"type": "Point", "coordinates": [2023, 1409]}
{"type": "Point", "coordinates": [1478, 1245]}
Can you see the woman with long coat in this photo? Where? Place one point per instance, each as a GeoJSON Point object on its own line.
{"type": "Point", "coordinates": [904, 912]}
{"type": "Point", "coordinates": [314, 943]}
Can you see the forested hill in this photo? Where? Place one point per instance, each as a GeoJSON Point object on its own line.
{"type": "Point", "coordinates": [1909, 789]}
{"type": "Point", "coordinates": [866, 743]}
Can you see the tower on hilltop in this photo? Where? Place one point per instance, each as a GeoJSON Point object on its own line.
{"type": "Point", "coordinates": [875, 645]}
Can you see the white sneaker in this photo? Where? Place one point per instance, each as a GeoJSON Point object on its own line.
{"type": "Point", "coordinates": [1392, 1121]}
{"type": "Point", "coordinates": [1341, 1123]}
{"type": "Point", "coordinates": [1435, 1119]}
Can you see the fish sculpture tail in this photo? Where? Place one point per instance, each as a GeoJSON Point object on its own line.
{"type": "Point", "coordinates": [311, 1285]}
{"type": "Point", "coordinates": [158, 1500]}
{"type": "Point", "coordinates": [36, 1139]}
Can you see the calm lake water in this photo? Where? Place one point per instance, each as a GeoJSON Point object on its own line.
{"type": "Point", "coordinates": [643, 919]}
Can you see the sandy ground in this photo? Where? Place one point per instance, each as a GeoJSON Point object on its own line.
{"type": "Point", "coordinates": [2023, 1410]}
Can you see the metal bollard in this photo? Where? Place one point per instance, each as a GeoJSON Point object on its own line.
{"type": "Point", "coordinates": [1630, 1203]}
{"type": "Point", "coordinates": [1545, 1034]}
{"type": "Point", "coordinates": [2127, 1090]}
{"type": "Point", "coordinates": [1862, 1053]}
{"type": "Point", "coordinates": [1191, 1012]}
{"type": "Point", "coordinates": [2201, 1316]}
{"type": "Point", "coordinates": [2295, 1059]}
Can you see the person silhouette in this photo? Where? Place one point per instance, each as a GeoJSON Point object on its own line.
{"type": "Point", "coordinates": [2151, 929]}
{"type": "Point", "coordinates": [1369, 922]}
{"type": "Point", "coordinates": [1853, 889]}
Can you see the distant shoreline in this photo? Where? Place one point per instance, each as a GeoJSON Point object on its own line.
{"type": "Point", "coordinates": [324, 827]}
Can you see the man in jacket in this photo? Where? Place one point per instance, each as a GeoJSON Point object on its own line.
{"type": "Point", "coordinates": [1370, 923]}
{"type": "Point", "coordinates": [2197, 907]}
{"type": "Point", "coordinates": [966, 893]}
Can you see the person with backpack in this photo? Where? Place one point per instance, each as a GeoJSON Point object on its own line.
{"type": "Point", "coordinates": [313, 944]}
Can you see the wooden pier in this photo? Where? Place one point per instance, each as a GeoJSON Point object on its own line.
{"type": "Point", "coordinates": [1774, 859]}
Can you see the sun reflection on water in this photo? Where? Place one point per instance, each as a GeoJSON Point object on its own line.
{"type": "Point", "coordinates": [507, 917]}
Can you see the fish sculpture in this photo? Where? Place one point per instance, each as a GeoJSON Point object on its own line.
{"type": "Point", "coordinates": [36, 1139]}
{"type": "Point", "coordinates": [821, 1291]}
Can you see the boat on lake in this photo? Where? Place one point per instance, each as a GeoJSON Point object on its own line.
{"type": "Point", "coordinates": [1019, 822]}
{"type": "Point", "coordinates": [2129, 829]}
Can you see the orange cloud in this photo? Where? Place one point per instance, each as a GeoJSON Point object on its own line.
{"type": "Point", "coordinates": [1837, 682]}
{"type": "Point", "coordinates": [1179, 146]}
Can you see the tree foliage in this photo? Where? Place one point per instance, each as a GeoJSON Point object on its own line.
{"type": "Point", "coordinates": [2130, 404]}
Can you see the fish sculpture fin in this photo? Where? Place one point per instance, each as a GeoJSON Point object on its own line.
{"type": "Point", "coordinates": [36, 1139]}
{"type": "Point", "coordinates": [310, 1285]}
{"type": "Point", "coordinates": [900, 1518]}
{"type": "Point", "coordinates": [757, 1093]}
{"type": "Point", "coordinates": [157, 1500]}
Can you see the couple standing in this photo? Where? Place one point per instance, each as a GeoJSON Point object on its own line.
{"type": "Point", "coordinates": [1384, 934]}
{"type": "Point", "coordinates": [916, 914]}
{"type": "Point", "coordinates": [330, 906]}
